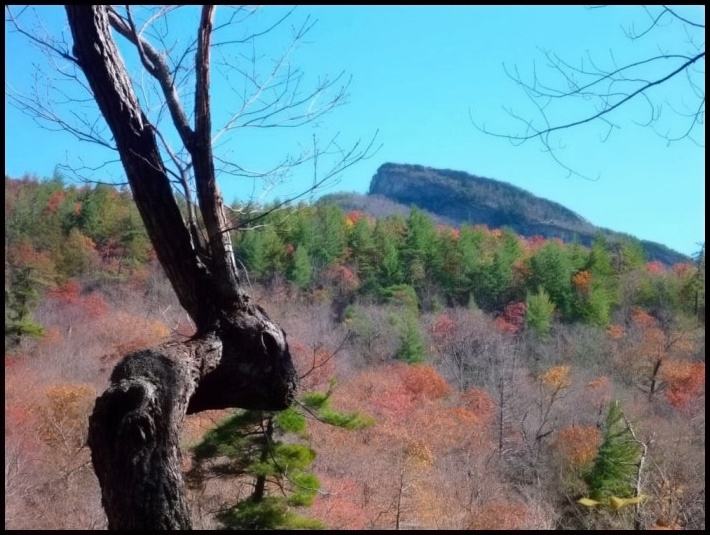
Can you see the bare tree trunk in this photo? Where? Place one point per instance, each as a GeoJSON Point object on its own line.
{"type": "Point", "coordinates": [260, 485]}
{"type": "Point", "coordinates": [134, 430]}
{"type": "Point", "coordinates": [399, 498]}
{"type": "Point", "coordinates": [639, 472]}
{"type": "Point", "coordinates": [654, 378]}
{"type": "Point", "coordinates": [238, 358]}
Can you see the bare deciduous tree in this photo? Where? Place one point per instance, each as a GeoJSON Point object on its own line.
{"type": "Point", "coordinates": [238, 357]}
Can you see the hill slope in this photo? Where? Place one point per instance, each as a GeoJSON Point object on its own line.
{"type": "Point", "coordinates": [457, 197]}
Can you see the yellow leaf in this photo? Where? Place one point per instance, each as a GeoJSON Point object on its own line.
{"type": "Point", "coordinates": [588, 502]}
{"type": "Point", "coordinates": [618, 503]}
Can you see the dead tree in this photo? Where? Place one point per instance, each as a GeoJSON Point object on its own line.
{"type": "Point", "coordinates": [238, 357]}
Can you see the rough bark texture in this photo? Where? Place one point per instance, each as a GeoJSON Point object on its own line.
{"type": "Point", "coordinates": [239, 356]}
{"type": "Point", "coordinates": [134, 430]}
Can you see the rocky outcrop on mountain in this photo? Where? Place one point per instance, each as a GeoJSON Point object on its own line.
{"type": "Point", "coordinates": [457, 197]}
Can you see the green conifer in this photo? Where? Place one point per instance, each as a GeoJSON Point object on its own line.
{"type": "Point", "coordinates": [615, 467]}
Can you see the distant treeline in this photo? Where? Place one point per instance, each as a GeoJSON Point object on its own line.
{"type": "Point", "coordinates": [56, 231]}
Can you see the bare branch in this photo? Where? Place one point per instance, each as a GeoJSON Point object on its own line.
{"type": "Point", "coordinates": [607, 90]}
{"type": "Point", "coordinates": [157, 67]}
{"type": "Point", "coordinates": [349, 159]}
{"type": "Point", "coordinates": [603, 112]}
{"type": "Point", "coordinates": [41, 42]}
{"type": "Point", "coordinates": [669, 10]}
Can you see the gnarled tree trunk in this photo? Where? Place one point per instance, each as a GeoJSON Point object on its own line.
{"type": "Point", "coordinates": [238, 358]}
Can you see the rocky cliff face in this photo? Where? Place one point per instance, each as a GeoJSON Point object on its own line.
{"type": "Point", "coordinates": [458, 197]}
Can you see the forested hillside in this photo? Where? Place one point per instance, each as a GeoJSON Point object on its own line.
{"type": "Point", "coordinates": [462, 378]}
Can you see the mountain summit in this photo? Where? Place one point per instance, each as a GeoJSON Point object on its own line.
{"type": "Point", "coordinates": [457, 197]}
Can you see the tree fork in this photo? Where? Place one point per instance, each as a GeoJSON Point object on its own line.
{"type": "Point", "coordinates": [239, 356]}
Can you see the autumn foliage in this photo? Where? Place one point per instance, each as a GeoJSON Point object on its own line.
{"type": "Point", "coordinates": [582, 280]}
{"type": "Point", "coordinates": [494, 429]}
{"type": "Point", "coordinates": [480, 403]}
{"type": "Point", "coordinates": [63, 417]}
{"type": "Point", "coordinates": [556, 378]}
{"type": "Point", "coordinates": [685, 381]}
{"type": "Point", "coordinates": [578, 444]}
{"type": "Point", "coordinates": [500, 515]}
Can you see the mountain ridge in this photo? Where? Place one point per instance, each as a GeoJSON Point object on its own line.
{"type": "Point", "coordinates": [457, 197]}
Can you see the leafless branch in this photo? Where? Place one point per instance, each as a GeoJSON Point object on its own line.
{"type": "Point", "coordinates": [353, 156]}
{"type": "Point", "coordinates": [608, 90]}
{"type": "Point", "coordinates": [44, 43]}
{"type": "Point", "coordinates": [315, 365]}
{"type": "Point", "coordinates": [603, 112]}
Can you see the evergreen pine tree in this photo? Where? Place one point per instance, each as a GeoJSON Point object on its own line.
{"type": "Point", "coordinates": [551, 268]}
{"type": "Point", "coordinates": [615, 467]}
{"type": "Point", "coordinates": [411, 348]}
{"type": "Point", "coordinates": [301, 271]}
{"type": "Point", "coordinates": [539, 312]}
{"type": "Point", "coordinates": [254, 446]}
{"type": "Point", "coordinates": [21, 296]}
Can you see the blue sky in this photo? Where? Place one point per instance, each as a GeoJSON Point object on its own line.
{"type": "Point", "coordinates": [418, 75]}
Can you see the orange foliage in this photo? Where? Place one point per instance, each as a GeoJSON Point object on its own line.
{"type": "Point", "coordinates": [655, 268]}
{"type": "Point", "coordinates": [92, 305]}
{"type": "Point", "coordinates": [95, 305]}
{"type": "Point", "coordinates": [443, 230]}
{"type": "Point", "coordinates": [55, 199]}
{"type": "Point", "coordinates": [641, 318]}
{"type": "Point", "coordinates": [533, 243]}
{"type": "Point", "coordinates": [557, 377]}
{"type": "Point", "coordinates": [685, 381]}
{"type": "Point", "coordinates": [342, 277]}
{"type": "Point", "coordinates": [600, 388]}
{"type": "Point", "coordinates": [67, 292]}
{"type": "Point", "coordinates": [20, 385]}
{"type": "Point", "coordinates": [652, 344]}
{"type": "Point", "coordinates": [503, 326]}
{"type": "Point", "coordinates": [442, 429]}
{"type": "Point", "coordinates": [582, 280]}
{"type": "Point", "coordinates": [378, 391]}
{"type": "Point", "coordinates": [340, 505]}
{"type": "Point", "coordinates": [415, 429]}
{"type": "Point", "coordinates": [24, 254]}
{"type": "Point", "coordinates": [615, 331]}
{"type": "Point", "coordinates": [500, 515]}
{"type": "Point", "coordinates": [536, 241]}
{"type": "Point", "coordinates": [578, 444]}
{"type": "Point", "coordinates": [139, 275]}
{"type": "Point", "coordinates": [353, 217]}
{"type": "Point", "coordinates": [480, 403]}
{"type": "Point", "coordinates": [424, 382]}
{"type": "Point", "coordinates": [64, 415]}
{"type": "Point", "coordinates": [521, 270]}
{"type": "Point", "coordinates": [126, 333]}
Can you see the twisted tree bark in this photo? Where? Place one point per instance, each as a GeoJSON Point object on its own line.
{"type": "Point", "coordinates": [239, 356]}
